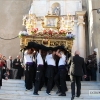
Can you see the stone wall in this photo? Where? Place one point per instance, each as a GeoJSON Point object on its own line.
{"type": "Point", "coordinates": [93, 21]}
{"type": "Point", "coordinates": [93, 24]}
{"type": "Point", "coordinates": [96, 25]}
{"type": "Point", "coordinates": [11, 14]}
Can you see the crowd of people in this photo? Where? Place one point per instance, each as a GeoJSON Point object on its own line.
{"type": "Point", "coordinates": [45, 66]}
{"type": "Point", "coordinates": [10, 68]}
{"type": "Point", "coordinates": [49, 66]}
{"type": "Point", "coordinates": [91, 67]}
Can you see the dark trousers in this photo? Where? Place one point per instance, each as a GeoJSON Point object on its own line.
{"type": "Point", "coordinates": [0, 76]}
{"type": "Point", "coordinates": [50, 76]}
{"type": "Point", "coordinates": [60, 80]}
{"type": "Point", "coordinates": [29, 76]}
{"type": "Point", "coordinates": [11, 74]}
{"type": "Point", "coordinates": [38, 79]}
{"type": "Point", "coordinates": [93, 74]}
{"type": "Point", "coordinates": [49, 84]}
{"type": "Point", "coordinates": [76, 79]}
{"type": "Point", "coordinates": [34, 73]}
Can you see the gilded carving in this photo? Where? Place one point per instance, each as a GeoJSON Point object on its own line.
{"type": "Point", "coordinates": [51, 21]}
{"type": "Point", "coordinates": [47, 42]}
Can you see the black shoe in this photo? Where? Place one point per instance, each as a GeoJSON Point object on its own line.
{"type": "Point", "coordinates": [58, 92]}
{"type": "Point", "coordinates": [48, 93]}
{"type": "Point", "coordinates": [78, 96]}
{"type": "Point", "coordinates": [72, 98]}
{"type": "Point", "coordinates": [62, 94]}
{"type": "Point", "coordinates": [39, 89]}
{"type": "Point", "coordinates": [35, 93]}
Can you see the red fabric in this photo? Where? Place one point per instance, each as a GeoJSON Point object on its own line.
{"type": "Point", "coordinates": [1, 64]}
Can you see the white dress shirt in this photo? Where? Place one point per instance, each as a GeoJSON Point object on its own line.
{"type": "Point", "coordinates": [28, 57]}
{"type": "Point", "coordinates": [50, 60]}
{"type": "Point", "coordinates": [62, 60]}
{"type": "Point", "coordinates": [39, 59]}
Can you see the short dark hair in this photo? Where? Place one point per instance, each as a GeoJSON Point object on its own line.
{"type": "Point", "coordinates": [94, 52]}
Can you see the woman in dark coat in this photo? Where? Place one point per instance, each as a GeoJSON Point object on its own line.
{"type": "Point", "coordinates": [1, 66]}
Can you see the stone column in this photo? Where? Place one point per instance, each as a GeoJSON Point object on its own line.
{"type": "Point", "coordinates": [75, 42]}
{"type": "Point", "coordinates": [81, 33]}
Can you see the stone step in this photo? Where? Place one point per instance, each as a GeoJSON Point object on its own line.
{"type": "Point", "coordinates": [22, 84]}
{"type": "Point", "coordinates": [45, 96]}
{"type": "Point", "coordinates": [30, 92]}
{"type": "Point", "coordinates": [87, 83]}
{"type": "Point", "coordinates": [15, 90]}
{"type": "Point", "coordinates": [51, 99]}
{"type": "Point", "coordinates": [42, 93]}
{"type": "Point", "coordinates": [21, 88]}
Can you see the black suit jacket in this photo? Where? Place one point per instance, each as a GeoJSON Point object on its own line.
{"type": "Point", "coordinates": [77, 66]}
{"type": "Point", "coordinates": [14, 64]}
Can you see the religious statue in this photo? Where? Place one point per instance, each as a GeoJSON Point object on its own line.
{"type": "Point", "coordinates": [56, 10]}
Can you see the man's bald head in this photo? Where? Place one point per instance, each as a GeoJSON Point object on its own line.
{"type": "Point", "coordinates": [77, 52]}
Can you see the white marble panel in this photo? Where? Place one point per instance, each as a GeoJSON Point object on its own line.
{"type": "Point", "coordinates": [68, 6]}
{"type": "Point", "coordinates": [71, 7]}
{"type": "Point", "coordinates": [39, 8]}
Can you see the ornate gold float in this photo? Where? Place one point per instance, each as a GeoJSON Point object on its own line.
{"type": "Point", "coordinates": [51, 37]}
{"type": "Point", "coordinates": [47, 42]}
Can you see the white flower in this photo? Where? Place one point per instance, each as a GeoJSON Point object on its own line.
{"type": "Point", "coordinates": [70, 35]}
{"type": "Point", "coordinates": [20, 33]}
{"type": "Point", "coordinates": [23, 33]}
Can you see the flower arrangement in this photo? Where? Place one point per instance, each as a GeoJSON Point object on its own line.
{"type": "Point", "coordinates": [48, 33]}
{"type": "Point", "coordinates": [22, 33]}
{"type": "Point", "coordinates": [33, 31]}
{"type": "Point", "coordinates": [45, 31]}
{"type": "Point", "coordinates": [62, 32]}
{"type": "Point", "coordinates": [69, 35]}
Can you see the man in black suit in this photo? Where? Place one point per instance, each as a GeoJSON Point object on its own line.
{"type": "Point", "coordinates": [76, 71]}
{"type": "Point", "coordinates": [16, 68]}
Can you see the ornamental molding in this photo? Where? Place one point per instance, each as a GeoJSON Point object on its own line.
{"type": "Point", "coordinates": [80, 13]}
{"type": "Point", "coordinates": [52, 42]}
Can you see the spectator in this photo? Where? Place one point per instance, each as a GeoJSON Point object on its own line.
{"type": "Point", "coordinates": [76, 71]}
{"type": "Point", "coordinates": [4, 65]}
{"type": "Point", "coordinates": [10, 66]}
{"type": "Point", "coordinates": [21, 70]}
{"type": "Point", "coordinates": [16, 68]}
{"type": "Point", "coordinates": [92, 66]}
{"type": "Point", "coordinates": [1, 66]}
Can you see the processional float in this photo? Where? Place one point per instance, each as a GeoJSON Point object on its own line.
{"type": "Point", "coordinates": [56, 30]}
